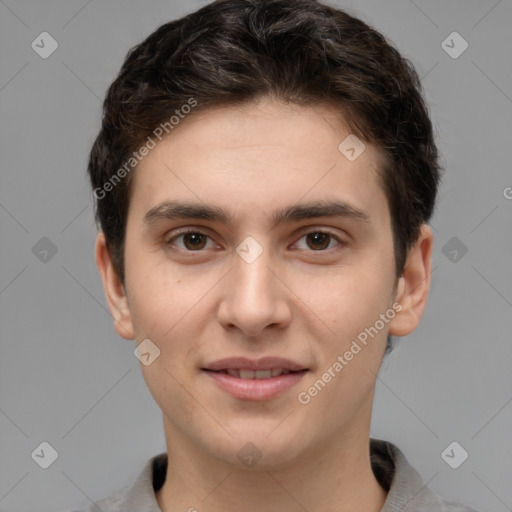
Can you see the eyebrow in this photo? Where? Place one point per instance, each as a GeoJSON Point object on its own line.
{"type": "Point", "coordinates": [172, 210]}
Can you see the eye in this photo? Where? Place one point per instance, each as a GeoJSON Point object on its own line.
{"type": "Point", "coordinates": [191, 241]}
{"type": "Point", "coordinates": [320, 240]}
{"type": "Point", "coordinates": [197, 241]}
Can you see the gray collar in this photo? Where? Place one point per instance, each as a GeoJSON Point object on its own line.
{"type": "Point", "coordinates": [406, 491]}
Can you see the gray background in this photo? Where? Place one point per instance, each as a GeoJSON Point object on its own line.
{"type": "Point", "coordinates": [66, 378]}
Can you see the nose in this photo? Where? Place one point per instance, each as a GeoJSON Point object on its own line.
{"type": "Point", "coordinates": [254, 297]}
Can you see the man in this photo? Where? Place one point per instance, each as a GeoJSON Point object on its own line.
{"type": "Point", "coordinates": [264, 176]}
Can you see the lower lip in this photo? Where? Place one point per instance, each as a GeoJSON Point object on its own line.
{"type": "Point", "coordinates": [255, 389]}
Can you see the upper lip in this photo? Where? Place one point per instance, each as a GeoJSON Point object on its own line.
{"type": "Point", "coordinates": [264, 363]}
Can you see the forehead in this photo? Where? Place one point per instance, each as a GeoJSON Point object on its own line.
{"type": "Point", "coordinates": [260, 156]}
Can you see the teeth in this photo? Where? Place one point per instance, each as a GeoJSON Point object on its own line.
{"type": "Point", "coordinates": [258, 374]}
{"type": "Point", "coordinates": [262, 374]}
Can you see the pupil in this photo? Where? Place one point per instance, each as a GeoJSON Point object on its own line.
{"type": "Point", "coordinates": [318, 238]}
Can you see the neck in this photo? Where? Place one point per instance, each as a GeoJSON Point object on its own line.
{"type": "Point", "coordinates": [336, 476]}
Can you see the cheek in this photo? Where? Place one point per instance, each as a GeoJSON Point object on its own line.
{"type": "Point", "coordinates": [361, 333]}
{"type": "Point", "coordinates": [169, 313]}
{"type": "Point", "coordinates": [347, 299]}
{"type": "Point", "coordinates": [158, 298]}
{"type": "Point", "coordinates": [172, 310]}
{"type": "Point", "coordinates": [165, 385]}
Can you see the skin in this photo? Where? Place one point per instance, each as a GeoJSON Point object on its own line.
{"type": "Point", "coordinates": [294, 301]}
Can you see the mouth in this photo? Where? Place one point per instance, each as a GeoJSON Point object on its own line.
{"type": "Point", "coordinates": [246, 374]}
{"type": "Point", "coordinates": [255, 380]}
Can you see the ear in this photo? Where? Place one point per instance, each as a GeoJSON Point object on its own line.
{"type": "Point", "coordinates": [114, 290]}
{"type": "Point", "coordinates": [414, 285]}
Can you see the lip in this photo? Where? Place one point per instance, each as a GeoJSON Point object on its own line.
{"type": "Point", "coordinates": [254, 389]}
{"type": "Point", "coordinates": [254, 364]}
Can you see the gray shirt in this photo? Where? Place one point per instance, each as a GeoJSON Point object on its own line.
{"type": "Point", "coordinates": [406, 491]}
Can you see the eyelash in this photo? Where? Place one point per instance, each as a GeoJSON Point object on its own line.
{"type": "Point", "coordinates": [341, 242]}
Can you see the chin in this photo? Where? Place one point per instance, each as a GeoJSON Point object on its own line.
{"type": "Point", "coordinates": [255, 449]}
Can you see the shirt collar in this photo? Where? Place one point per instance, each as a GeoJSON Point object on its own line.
{"type": "Point", "coordinates": [406, 491]}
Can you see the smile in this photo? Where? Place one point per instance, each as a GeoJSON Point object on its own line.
{"type": "Point", "coordinates": [255, 374]}
{"type": "Point", "coordinates": [254, 379]}
{"type": "Point", "coordinates": [254, 385]}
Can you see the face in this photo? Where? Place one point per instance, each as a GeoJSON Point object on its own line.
{"type": "Point", "coordinates": [256, 255]}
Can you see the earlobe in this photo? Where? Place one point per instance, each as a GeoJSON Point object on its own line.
{"type": "Point", "coordinates": [414, 285]}
{"type": "Point", "coordinates": [114, 290]}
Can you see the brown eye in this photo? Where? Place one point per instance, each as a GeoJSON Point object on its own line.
{"type": "Point", "coordinates": [194, 241]}
{"type": "Point", "coordinates": [318, 240]}
{"type": "Point", "coordinates": [190, 241]}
